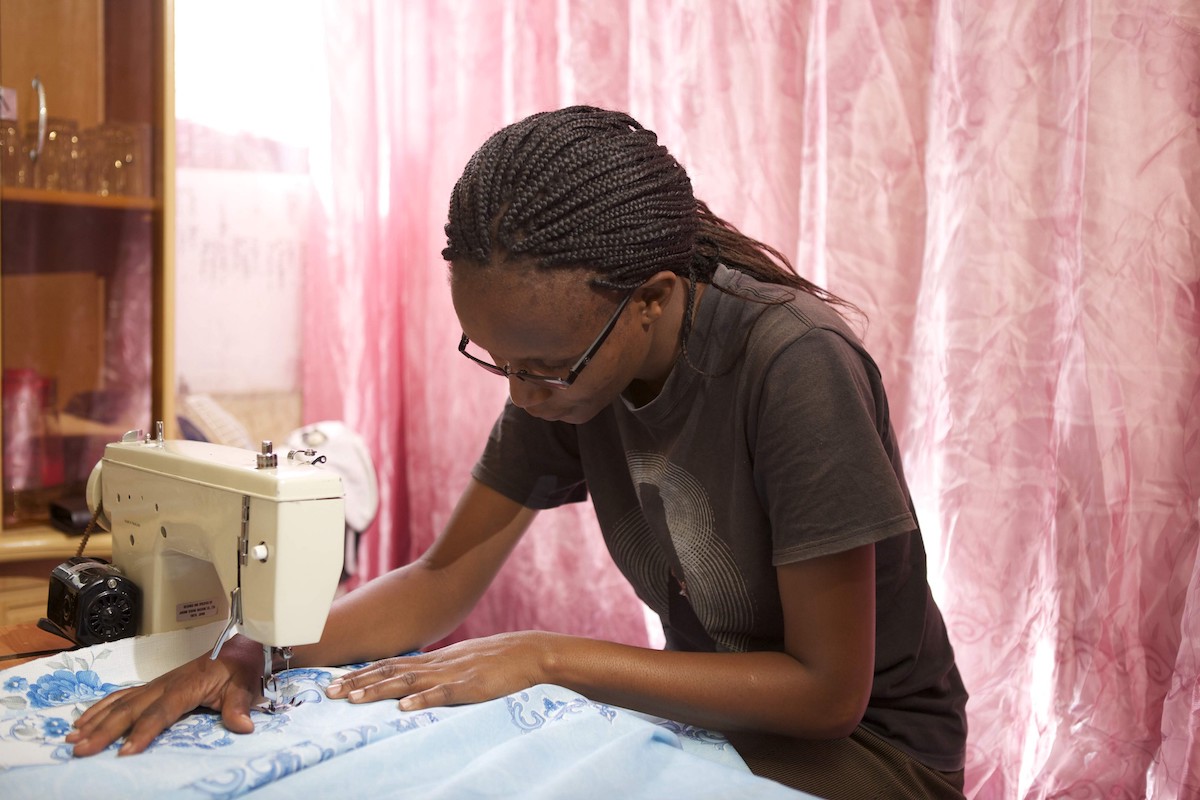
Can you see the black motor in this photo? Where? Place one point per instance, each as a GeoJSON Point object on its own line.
{"type": "Point", "coordinates": [91, 601]}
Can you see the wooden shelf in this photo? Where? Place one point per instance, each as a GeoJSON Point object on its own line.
{"type": "Point", "coordinates": [78, 199]}
{"type": "Point", "coordinates": [105, 62]}
{"type": "Point", "coordinates": [40, 542]}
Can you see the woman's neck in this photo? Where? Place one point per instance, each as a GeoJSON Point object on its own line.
{"type": "Point", "coordinates": [665, 350]}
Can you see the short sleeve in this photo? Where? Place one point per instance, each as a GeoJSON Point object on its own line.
{"type": "Point", "coordinates": [531, 461]}
{"type": "Point", "coordinates": [822, 451]}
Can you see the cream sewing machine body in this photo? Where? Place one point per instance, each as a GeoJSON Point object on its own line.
{"type": "Point", "coordinates": [210, 533]}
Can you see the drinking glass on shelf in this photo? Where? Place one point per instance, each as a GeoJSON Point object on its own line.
{"type": "Point", "coordinates": [140, 175]}
{"type": "Point", "coordinates": [68, 161]}
{"type": "Point", "coordinates": [118, 159]}
{"type": "Point", "coordinates": [10, 152]}
{"type": "Point", "coordinates": [57, 164]}
{"type": "Point", "coordinates": [106, 165]}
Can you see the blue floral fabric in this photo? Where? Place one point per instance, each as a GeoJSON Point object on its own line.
{"type": "Point", "coordinates": [543, 742]}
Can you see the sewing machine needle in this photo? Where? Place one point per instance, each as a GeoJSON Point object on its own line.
{"type": "Point", "coordinates": [269, 686]}
{"type": "Point", "coordinates": [274, 698]}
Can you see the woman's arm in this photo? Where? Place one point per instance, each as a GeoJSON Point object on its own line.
{"type": "Point", "coordinates": [417, 604]}
{"type": "Point", "coordinates": [401, 611]}
{"type": "Point", "coordinates": [817, 688]}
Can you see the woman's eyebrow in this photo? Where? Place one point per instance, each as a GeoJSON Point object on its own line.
{"type": "Point", "coordinates": [564, 361]}
{"type": "Point", "coordinates": [559, 358]}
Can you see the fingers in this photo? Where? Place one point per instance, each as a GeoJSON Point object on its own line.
{"type": "Point", "coordinates": [417, 682]}
{"type": "Point", "coordinates": [145, 713]}
{"type": "Point", "coordinates": [444, 694]}
{"type": "Point", "coordinates": [415, 690]}
{"type": "Point", "coordinates": [135, 710]}
{"type": "Point", "coordinates": [142, 713]}
{"type": "Point", "coordinates": [466, 672]}
{"type": "Point", "coordinates": [153, 720]}
{"type": "Point", "coordinates": [235, 709]}
{"type": "Point", "coordinates": [97, 708]}
{"type": "Point", "coordinates": [393, 677]}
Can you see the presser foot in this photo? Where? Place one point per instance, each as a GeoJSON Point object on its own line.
{"type": "Point", "coordinates": [277, 690]}
{"type": "Point", "coordinates": [277, 699]}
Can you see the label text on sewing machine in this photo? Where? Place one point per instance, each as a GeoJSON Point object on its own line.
{"type": "Point", "coordinates": [197, 609]}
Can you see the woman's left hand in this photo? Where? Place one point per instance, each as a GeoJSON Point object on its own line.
{"type": "Point", "coordinates": [467, 672]}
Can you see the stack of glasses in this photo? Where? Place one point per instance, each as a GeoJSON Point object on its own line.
{"type": "Point", "coordinates": [55, 155]}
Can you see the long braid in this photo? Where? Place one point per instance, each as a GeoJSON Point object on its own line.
{"type": "Point", "coordinates": [586, 187]}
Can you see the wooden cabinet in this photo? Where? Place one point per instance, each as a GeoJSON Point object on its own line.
{"type": "Point", "coordinates": [86, 241]}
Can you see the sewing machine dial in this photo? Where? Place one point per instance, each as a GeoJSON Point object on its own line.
{"type": "Point", "coordinates": [93, 496]}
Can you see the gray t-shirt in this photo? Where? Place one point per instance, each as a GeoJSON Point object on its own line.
{"type": "Point", "coordinates": [773, 446]}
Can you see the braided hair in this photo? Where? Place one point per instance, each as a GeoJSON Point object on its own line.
{"type": "Point", "coordinates": [588, 187]}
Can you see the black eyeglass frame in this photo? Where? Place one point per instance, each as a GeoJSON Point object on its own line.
{"type": "Point", "coordinates": [550, 380]}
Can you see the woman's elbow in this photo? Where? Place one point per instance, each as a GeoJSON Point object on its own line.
{"type": "Point", "coordinates": [842, 723]}
{"type": "Point", "coordinates": [836, 713]}
{"type": "Point", "coordinates": [848, 699]}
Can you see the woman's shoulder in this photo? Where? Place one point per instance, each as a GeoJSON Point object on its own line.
{"type": "Point", "coordinates": [776, 317]}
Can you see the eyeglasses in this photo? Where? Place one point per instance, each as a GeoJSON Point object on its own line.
{"type": "Point", "coordinates": [550, 380]}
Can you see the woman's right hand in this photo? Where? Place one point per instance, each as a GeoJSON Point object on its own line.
{"type": "Point", "coordinates": [229, 684]}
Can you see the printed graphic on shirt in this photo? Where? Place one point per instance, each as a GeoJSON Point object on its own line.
{"type": "Point", "coordinates": [673, 498]}
{"type": "Point", "coordinates": [639, 557]}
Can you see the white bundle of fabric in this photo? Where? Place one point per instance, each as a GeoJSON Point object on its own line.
{"type": "Point", "coordinates": [347, 455]}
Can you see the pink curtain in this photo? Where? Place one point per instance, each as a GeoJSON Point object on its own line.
{"type": "Point", "coordinates": [1011, 194]}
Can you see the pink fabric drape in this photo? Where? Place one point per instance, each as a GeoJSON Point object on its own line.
{"type": "Point", "coordinates": [1009, 191]}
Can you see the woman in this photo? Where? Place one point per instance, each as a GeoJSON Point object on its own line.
{"type": "Point", "coordinates": [733, 436]}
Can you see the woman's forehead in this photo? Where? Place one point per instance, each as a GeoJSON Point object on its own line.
{"type": "Point", "coordinates": [539, 312]}
{"type": "Point", "coordinates": [527, 288]}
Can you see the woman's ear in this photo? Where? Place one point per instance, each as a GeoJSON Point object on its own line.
{"type": "Point", "coordinates": [656, 292]}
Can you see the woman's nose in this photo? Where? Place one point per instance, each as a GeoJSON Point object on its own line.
{"type": "Point", "coordinates": [526, 393]}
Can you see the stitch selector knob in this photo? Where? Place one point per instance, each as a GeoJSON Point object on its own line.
{"type": "Point", "coordinates": [267, 458]}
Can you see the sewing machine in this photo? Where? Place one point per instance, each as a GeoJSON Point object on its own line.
{"type": "Point", "coordinates": [207, 533]}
